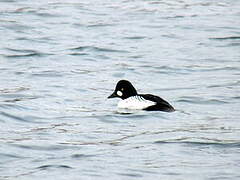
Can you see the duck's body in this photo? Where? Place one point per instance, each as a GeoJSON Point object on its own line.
{"type": "Point", "coordinates": [130, 99]}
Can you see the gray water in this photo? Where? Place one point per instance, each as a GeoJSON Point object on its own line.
{"type": "Point", "coordinates": [60, 59]}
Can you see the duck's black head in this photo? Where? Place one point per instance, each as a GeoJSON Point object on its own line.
{"type": "Point", "coordinates": [124, 89]}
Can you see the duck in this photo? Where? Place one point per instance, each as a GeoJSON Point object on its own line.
{"type": "Point", "coordinates": [130, 99]}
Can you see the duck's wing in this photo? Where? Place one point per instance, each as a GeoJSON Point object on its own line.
{"type": "Point", "coordinates": [161, 104]}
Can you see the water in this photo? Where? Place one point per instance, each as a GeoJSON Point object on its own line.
{"type": "Point", "coordinates": [59, 61]}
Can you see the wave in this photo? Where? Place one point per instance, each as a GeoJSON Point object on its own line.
{"type": "Point", "coordinates": [226, 38]}
{"type": "Point", "coordinates": [22, 53]}
{"type": "Point", "coordinates": [201, 142]}
{"type": "Point", "coordinates": [98, 49]}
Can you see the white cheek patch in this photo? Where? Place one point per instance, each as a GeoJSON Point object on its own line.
{"type": "Point", "coordinates": [119, 93]}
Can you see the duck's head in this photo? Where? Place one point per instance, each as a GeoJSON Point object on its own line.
{"type": "Point", "coordinates": [124, 89]}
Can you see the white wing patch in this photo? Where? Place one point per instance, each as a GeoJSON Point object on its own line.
{"type": "Point", "coordinates": [135, 102]}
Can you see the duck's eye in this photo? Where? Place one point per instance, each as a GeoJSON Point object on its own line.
{"type": "Point", "coordinates": [119, 93]}
{"type": "Point", "coordinates": [122, 89]}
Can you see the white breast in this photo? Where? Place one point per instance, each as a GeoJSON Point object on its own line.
{"type": "Point", "coordinates": [135, 102]}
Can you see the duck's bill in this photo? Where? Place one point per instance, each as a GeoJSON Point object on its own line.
{"type": "Point", "coordinates": [113, 95]}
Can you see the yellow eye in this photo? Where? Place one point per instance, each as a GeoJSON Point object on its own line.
{"type": "Point", "coordinates": [122, 89]}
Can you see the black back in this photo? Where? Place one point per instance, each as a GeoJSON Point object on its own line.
{"type": "Point", "coordinates": [161, 105]}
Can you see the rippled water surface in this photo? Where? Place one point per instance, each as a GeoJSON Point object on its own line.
{"type": "Point", "coordinates": [60, 59]}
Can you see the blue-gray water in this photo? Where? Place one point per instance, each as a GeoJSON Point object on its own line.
{"type": "Point", "coordinates": [60, 59]}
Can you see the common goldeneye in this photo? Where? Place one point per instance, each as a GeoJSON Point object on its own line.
{"type": "Point", "coordinates": [130, 99]}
